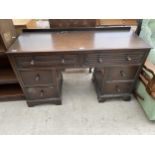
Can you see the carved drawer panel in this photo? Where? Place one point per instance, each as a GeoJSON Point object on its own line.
{"type": "Point", "coordinates": [120, 73]}
{"type": "Point", "coordinates": [46, 61]}
{"type": "Point", "coordinates": [36, 93]}
{"type": "Point", "coordinates": [115, 58]}
{"type": "Point", "coordinates": [37, 77]}
{"type": "Point", "coordinates": [117, 88]}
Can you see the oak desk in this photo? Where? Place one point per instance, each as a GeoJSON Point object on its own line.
{"type": "Point", "coordinates": [39, 57]}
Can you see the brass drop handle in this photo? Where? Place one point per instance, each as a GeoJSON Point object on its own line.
{"type": "Point", "coordinates": [63, 61]}
{"type": "Point", "coordinates": [37, 78]}
{"type": "Point", "coordinates": [32, 62]}
{"type": "Point", "coordinates": [41, 93]}
{"type": "Point", "coordinates": [123, 74]}
{"type": "Point", "coordinates": [118, 89]}
{"type": "Point", "coordinates": [129, 58]}
{"type": "Point", "coordinates": [100, 60]}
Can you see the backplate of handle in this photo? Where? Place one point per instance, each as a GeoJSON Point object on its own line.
{"type": "Point", "coordinates": [129, 58]}
{"type": "Point", "coordinates": [100, 60]}
{"type": "Point", "coordinates": [123, 74]}
{"type": "Point", "coordinates": [118, 89]}
{"type": "Point", "coordinates": [32, 62]}
{"type": "Point", "coordinates": [37, 78]}
{"type": "Point", "coordinates": [41, 93]}
{"type": "Point", "coordinates": [63, 61]}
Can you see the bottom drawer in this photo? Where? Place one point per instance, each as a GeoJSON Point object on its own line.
{"type": "Point", "coordinates": [33, 93]}
{"type": "Point", "coordinates": [117, 88]}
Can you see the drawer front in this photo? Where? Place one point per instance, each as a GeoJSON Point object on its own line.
{"type": "Point", "coordinates": [120, 73]}
{"type": "Point", "coordinates": [115, 58]}
{"type": "Point", "coordinates": [117, 88]}
{"type": "Point", "coordinates": [46, 61]}
{"type": "Point", "coordinates": [40, 93]}
{"type": "Point", "coordinates": [37, 77]}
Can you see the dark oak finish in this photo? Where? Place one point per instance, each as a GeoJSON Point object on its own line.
{"type": "Point", "coordinates": [116, 55]}
{"type": "Point", "coordinates": [37, 77]}
{"type": "Point", "coordinates": [120, 73]}
{"type": "Point", "coordinates": [69, 23]}
{"type": "Point", "coordinates": [77, 41]}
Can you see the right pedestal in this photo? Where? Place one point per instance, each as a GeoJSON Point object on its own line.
{"type": "Point", "coordinates": [107, 88]}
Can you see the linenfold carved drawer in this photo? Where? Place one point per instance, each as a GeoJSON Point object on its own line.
{"type": "Point", "coordinates": [37, 77]}
{"type": "Point", "coordinates": [119, 73]}
{"type": "Point", "coordinates": [115, 58]}
{"type": "Point", "coordinates": [41, 92]}
{"type": "Point", "coordinates": [47, 61]}
{"type": "Point", "coordinates": [117, 88]}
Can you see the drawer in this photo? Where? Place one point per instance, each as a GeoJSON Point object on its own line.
{"type": "Point", "coordinates": [37, 77]}
{"type": "Point", "coordinates": [46, 61]}
{"type": "Point", "coordinates": [117, 88]}
{"type": "Point", "coordinates": [36, 93]}
{"type": "Point", "coordinates": [115, 58]}
{"type": "Point", "coordinates": [120, 73]}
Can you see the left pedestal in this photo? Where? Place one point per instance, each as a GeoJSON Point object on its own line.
{"type": "Point", "coordinates": [40, 82]}
{"type": "Point", "coordinates": [49, 93]}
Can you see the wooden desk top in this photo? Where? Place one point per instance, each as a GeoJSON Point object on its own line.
{"type": "Point", "coordinates": [77, 41]}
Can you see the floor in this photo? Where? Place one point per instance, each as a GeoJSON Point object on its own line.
{"type": "Point", "coordinates": [79, 114]}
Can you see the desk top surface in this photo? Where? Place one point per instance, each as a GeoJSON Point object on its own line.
{"type": "Point", "coordinates": [30, 42]}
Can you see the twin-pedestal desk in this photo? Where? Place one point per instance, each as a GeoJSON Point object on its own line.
{"type": "Point", "coordinates": [38, 58]}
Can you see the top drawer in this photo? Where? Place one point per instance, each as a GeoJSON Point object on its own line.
{"type": "Point", "coordinates": [46, 61]}
{"type": "Point", "coordinates": [115, 58]}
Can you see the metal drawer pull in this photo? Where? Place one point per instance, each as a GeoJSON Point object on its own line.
{"type": "Point", "coordinates": [32, 62]}
{"type": "Point", "coordinates": [41, 93]}
{"type": "Point", "coordinates": [100, 60]}
{"type": "Point", "coordinates": [129, 58]}
{"type": "Point", "coordinates": [123, 74]}
{"type": "Point", "coordinates": [37, 78]}
{"type": "Point", "coordinates": [118, 89]}
{"type": "Point", "coordinates": [63, 61]}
